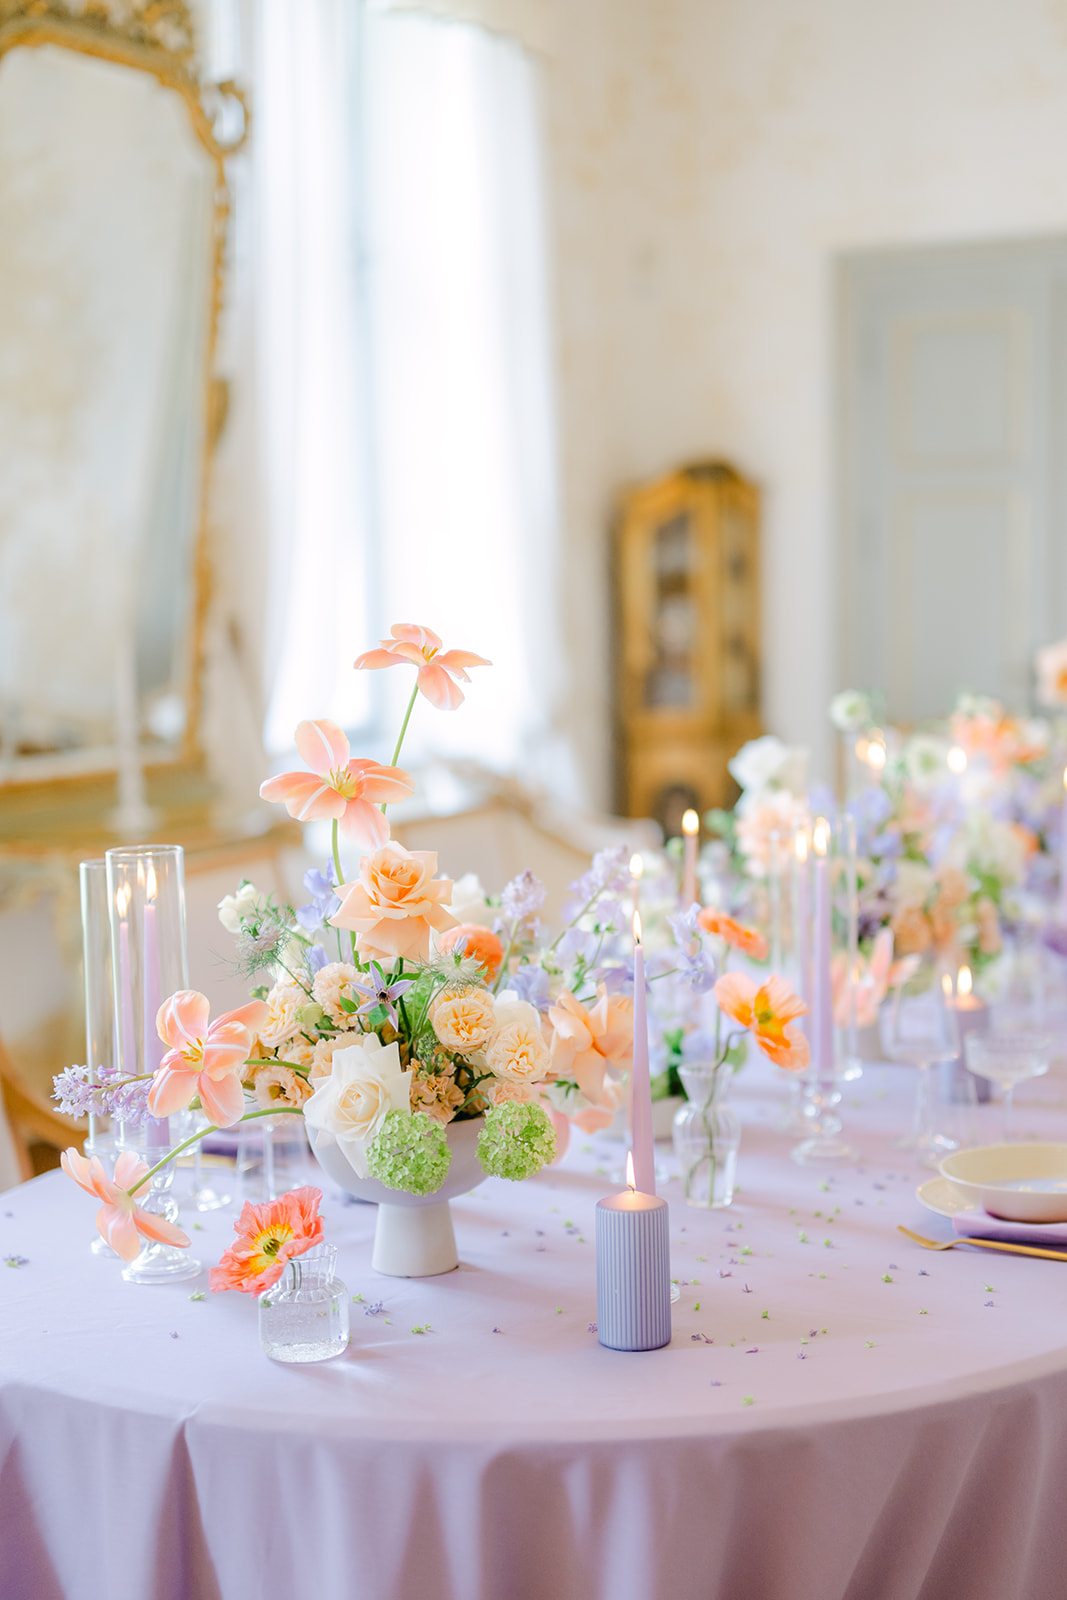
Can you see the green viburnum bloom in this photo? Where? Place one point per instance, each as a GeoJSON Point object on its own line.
{"type": "Point", "coordinates": [516, 1142]}
{"type": "Point", "coordinates": [410, 1152]}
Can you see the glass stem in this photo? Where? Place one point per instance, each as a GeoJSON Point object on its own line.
{"type": "Point", "coordinates": [1005, 1131]}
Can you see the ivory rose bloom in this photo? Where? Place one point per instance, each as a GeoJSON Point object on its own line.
{"type": "Point", "coordinates": [586, 1039]}
{"type": "Point", "coordinates": [284, 1004]}
{"type": "Point", "coordinates": [462, 1018]}
{"type": "Point", "coordinates": [394, 903]}
{"type": "Point", "coordinates": [332, 984]}
{"type": "Point", "coordinates": [516, 1048]}
{"type": "Point", "coordinates": [367, 1082]}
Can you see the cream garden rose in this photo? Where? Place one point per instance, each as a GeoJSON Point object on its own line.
{"type": "Point", "coordinates": [462, 1019]}
{"type": "Point", "coordinates": [284, 1004]}
{"type": "Point", "coordinates": [332, 984]}
{"type": "Point", "coordinates": [367, 1082]}
{"type": "Point", "coordinates": [325, 1050]}
{"type": "Point", "coordinates": [516, 1049]}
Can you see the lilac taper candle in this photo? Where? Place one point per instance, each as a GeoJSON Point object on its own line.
{"type": "Point", "coordinates": [641, 1105]}
{"type": "Point", "coordinates": [821, 1000]}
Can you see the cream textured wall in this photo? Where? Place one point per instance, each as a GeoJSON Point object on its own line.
{"type": "Point", "coordinates": [710, 160]}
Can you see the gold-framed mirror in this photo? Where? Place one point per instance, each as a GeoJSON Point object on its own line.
{"type": "Point", "coordinates": [113, 222]}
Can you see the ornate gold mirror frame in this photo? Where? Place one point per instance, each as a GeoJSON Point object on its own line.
{"type": "Point", "coordinates": [155, 37]}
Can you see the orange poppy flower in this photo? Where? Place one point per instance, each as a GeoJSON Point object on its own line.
{"type": "Point", "coordinates": [767, 1011]}
{"type": "Point", "coordinates": [268, 1237]}
{"type": "Point", "coordinates": [747, 940]}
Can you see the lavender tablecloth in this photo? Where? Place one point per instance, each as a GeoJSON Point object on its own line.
{"type": "Point", "coordinates": [839, 1413]}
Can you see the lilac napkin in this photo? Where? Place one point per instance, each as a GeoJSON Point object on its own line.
{"type": "Point", "coordinates": [980, 1225]}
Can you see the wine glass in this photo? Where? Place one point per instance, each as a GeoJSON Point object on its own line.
{"type": "Point", "coordinates": [920, 1029]}
{"type": "Point", "coordinates": [1007, 1059]}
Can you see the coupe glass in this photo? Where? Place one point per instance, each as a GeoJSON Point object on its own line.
{"type": "Point", "coordinates": [1007, 1059]}
{"type": "Point", "coordinates": [917, 1027]}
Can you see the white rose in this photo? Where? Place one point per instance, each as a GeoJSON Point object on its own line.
{"type": "Point", "coordinates": [925, 760]}
{"type": "Point", "coordinates": [851, 710]}
{"type": "Point", "coordinates": [469, 902]}
{"type": "Point", "coordinates": [245, 903]}
{"type": "Point", "coordinates": [367, 1082]}
{"type": "Point", "coordinates": [759, 762]}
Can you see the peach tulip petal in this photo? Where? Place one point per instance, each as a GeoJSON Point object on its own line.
{"type": "Point", "coordinates": [174, 1087]}
{"type": "Point", "coordinates": [130, 1168]}
{"type": "Point", "coordinates": [304, 795]}
{"type": "Point", "coordinates": [223, 1099]}
{"type": "Point", "coordinates": [458, 661]}
{"type": "Point", "coordinates": [253, 1016]}
{"type": "Point", "coordinates": [118, 1227]}
{"type": "Point", "coordinates": [77, 1166]}
{"type": "Point", "coordinates": [381, 784]}
{"type": "Point", "coordinates": [159, 1229]}
{"type": "Point", "coordinates": [439, 688]}
{"type": "Point", "coordinates": [364, 825]}
{"type": "Point", "coordinates": [371, 660]}
{"type": "Point", "coordinates": [183, 1017]}
{"type": "Point", "coordinates": [322, 746]}
{"type": "Point", "coordinates": [413, 633]}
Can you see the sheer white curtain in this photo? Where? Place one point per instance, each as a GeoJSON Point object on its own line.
{"type": "Point", "coordinates": [466, 488]}
{"type": "Point", "coordinates": [405, 346]}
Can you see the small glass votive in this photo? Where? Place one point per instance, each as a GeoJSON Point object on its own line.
{"type": "Point", "coordinates": [304, 1316]}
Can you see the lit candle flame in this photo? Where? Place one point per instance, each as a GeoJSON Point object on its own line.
{"type": "Point", "coordinates": [964, 981]}
{"type": "Point", "coordinates": [631, 1181]}
{"type": "Point", "coordinates": [690, 822]}
{"type": "Point", "coordinates": [800, 845]}
{"type": "Point", "coordinates": [637, 866]}
{"type": "Point", "coordinates": [957, 759]}
{"type": "Point", "coordinates": [122, 899]}
{"type": "Point", "coordinates": [637, 927]}
{"type": "Point", "coordinates": [820, 837]}
{"type": "Point", "coordinates": [863, 749]}
{"type": "Point", "coordinates": [946, 985]}
{"type": "Point", "coordinates": [876, 753]}
{"type": "Point", "coordinates": [150, 883]}
{"type": "Point", "coordinates": [1065, 777]}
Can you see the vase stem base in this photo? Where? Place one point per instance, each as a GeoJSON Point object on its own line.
{"type": "Point", "coordinates": [825, 1151]}
{"type": "Point", "coordinates": [414, 1241]}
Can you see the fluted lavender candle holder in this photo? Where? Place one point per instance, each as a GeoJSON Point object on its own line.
{"type": "Point", "coordinates": [633, 1272]}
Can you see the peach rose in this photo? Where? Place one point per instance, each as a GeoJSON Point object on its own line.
{"type": "Point", "coordinates": [462, 1018]}
{"type": "Point", "coordinates": [395, 902]}
{"type": "Point", "coordinates": [332, 984]}
{"type": "Point", "coordinates": [284, 1004]}
{"type": "Point", "coordinates": [481, 943]}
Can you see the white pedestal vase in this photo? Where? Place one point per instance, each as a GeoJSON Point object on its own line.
{"type": "Point", "coordinates": [414, 1237]}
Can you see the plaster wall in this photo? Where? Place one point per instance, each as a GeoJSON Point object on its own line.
{"type": "Point", "coordinates": [710, 160]}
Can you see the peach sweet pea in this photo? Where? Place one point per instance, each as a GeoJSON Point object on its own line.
{"type": "Point", "coordinates": [585, 1040]}
{"type": "Point", "coordinates": [120, 1220]}
{"type": "Point", "coordinates": [437, 672]}
{"type": "Point", "coordinates": [394, 903]}
{"type": "Point", "coordinates": [747, 940]}
{"type": "Point", "coordinates": [205, 1060]}
{"type": "Point", "coordinates": [767, 1011]}
{"type": "Point", "coordinates": [349, 791]}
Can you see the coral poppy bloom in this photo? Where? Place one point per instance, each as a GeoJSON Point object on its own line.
{"type": "Point", "coordinates": [120, 1220]}
{"type": "Point", "coordinates": [767, 1011]}
{"type": "Point", "coordinates": [394, 903]}
{"type": "Point", "coordinates": [348, 790]}
{"type": "Point", "coordinates": [747, 940]}
{"type": "Point", "coordinates": [586, 1039]}
{"type": "Point", "coordinates": [481, 943]}
{"type": "Point", "coordinates": [437, 672]}
{"type": "Point", "coordinates": [268, 1236]}
{"type": "Point", "coordinates": [205, 1060]}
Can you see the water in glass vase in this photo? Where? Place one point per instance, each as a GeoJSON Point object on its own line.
{"type": "Point", "coordinates": [304, 1317]}
{"type": "Point", "coordinates": [707, 1137]}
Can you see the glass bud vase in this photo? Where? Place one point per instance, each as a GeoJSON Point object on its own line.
{"type": "Point", "coordinates": [304, 1316]}
{"type": "Point", "coordinates": [707, 1137]}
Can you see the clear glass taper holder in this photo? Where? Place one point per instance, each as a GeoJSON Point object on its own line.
{"type": "Point", "coordinates": [824, 1146]}
{"type": "Point", "coordinates": [161, 1263]}
{"type": "Point", "coordinates": [920, 1029]}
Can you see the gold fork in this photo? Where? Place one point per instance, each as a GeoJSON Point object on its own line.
{"type": "Point", "coordinates": [985, 1244]}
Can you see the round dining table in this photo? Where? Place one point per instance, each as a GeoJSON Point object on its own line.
{"type": "Point", "coordinates": [841, 1414]}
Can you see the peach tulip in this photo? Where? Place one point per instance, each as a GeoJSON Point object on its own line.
{"type": "Point", "coordinates": [394, 903]}
{"type": "Point", "coordinates": [204, 1059]}
{"type": "Point", "coordinates": [120, 1220]}
{"type": "Point", "coordinates": [349, 790]}
{"type": "Point", "coordinates": [767, 1012]}
{"type": "Point", "coordinates": [586, 1039]}
{"type": "Point", "coordinates": [437, 673]}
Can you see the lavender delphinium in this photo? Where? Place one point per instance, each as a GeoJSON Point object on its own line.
{"type": "Point", "coordinates": [531, 983]}
{"type": "Point", "coordinates": [323, 903]}
{"type": "Point", "coordinates": [609, 874]}
{"type": "Point", "coordinates": [522, 897]}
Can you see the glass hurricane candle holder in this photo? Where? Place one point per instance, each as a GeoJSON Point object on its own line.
{"type": "Point", "coordinates": [304, 1316]}
{"type": "Point", "coordinates": [707, 1137]}
{"type": "Point", "coordinates": [100, 1043]}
